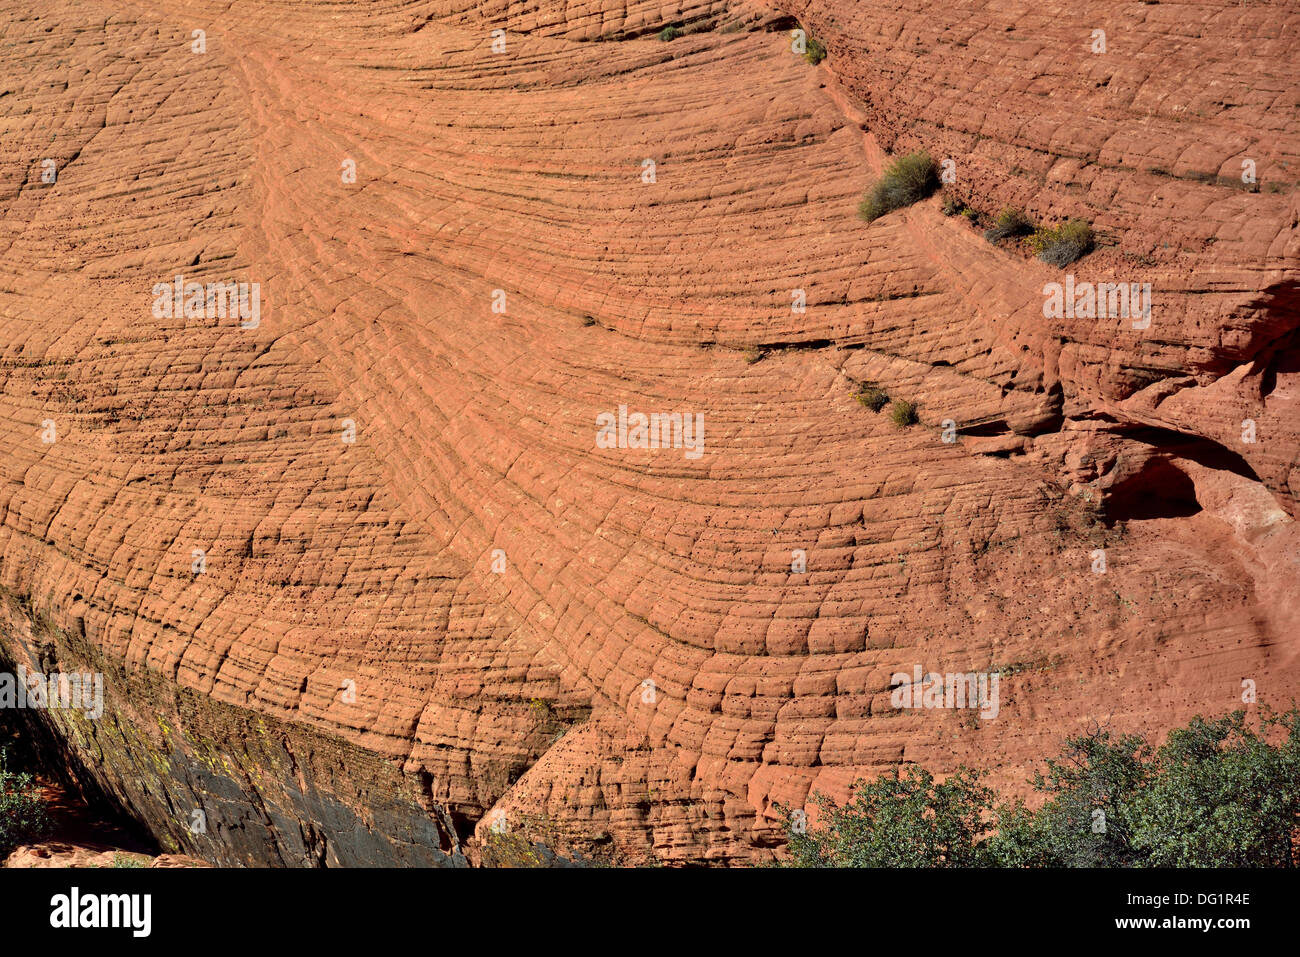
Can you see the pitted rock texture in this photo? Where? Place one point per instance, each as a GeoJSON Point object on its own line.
{"type": "Point", "coordinates": [616, 641]}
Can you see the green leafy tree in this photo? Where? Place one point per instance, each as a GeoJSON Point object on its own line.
{"type": "Point", "coordinates": [1019, 839]}
{"type": "Point", "coordinates": [23, 816]}
{"type": "Point", "coordinates": [900, 820]}
{"type": "Point", "coordinates": [1223, 796]}
{"type": "Point", "coordinates": [1216, 794]}
{"type": "Point", "coordinates": [1088, 818]}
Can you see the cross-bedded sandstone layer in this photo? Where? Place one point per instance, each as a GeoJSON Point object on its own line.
{"type": "Point", "coordinates": [359, 651]}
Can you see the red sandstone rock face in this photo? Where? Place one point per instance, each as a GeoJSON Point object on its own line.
{"type": "Point", "coordinates": [60, 854]}
{"type": "Point", "coordinates": [648, 673]}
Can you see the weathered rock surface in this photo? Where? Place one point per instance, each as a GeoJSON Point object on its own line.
{"type": "Point", "coordinates": [61, 854]}
{"type": "Point", "coordinates": [347, 679]}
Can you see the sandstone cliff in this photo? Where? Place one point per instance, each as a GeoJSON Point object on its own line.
{"type": "Point", "coordinates": [360, 579]}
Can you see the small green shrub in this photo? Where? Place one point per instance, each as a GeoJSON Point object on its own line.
{"type": "Point", "coordinates": [907, 180]}
{"type": "Point", "coordinates": [542, 711]}
{"type": "Point", "coordinates": [669, 33]}
{"type": "Point", "coordinates": [952, 205]}
{"type": "Point", "coordinates": [815, 52]}
{"type": "Point", "coordinates": [510, 850]}
{"type": "Point", "coordinates": [873, 398]}
{"type": "Point", "coordinates": [1011, 222]}
{"type": "Point", "coordinates": [527, 840]}
{"type": "Point", "coordinates": [1063, 244]}
{"type": "Point", "coordinates": [903, 413]}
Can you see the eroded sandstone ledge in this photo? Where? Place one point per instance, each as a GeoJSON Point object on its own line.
{"type": "Point", "coordinates": [223, 783]}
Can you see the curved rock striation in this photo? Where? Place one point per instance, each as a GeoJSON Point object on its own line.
{"type": "Point", "coordinates": [361, 569]}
